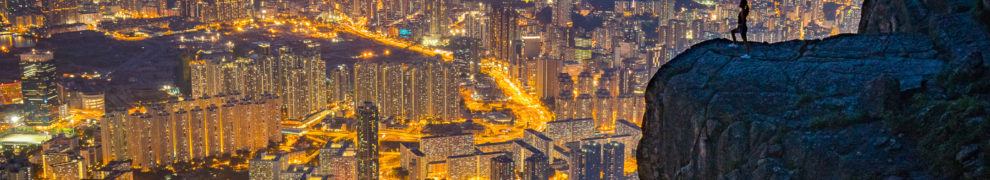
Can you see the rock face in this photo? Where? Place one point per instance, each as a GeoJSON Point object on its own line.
{"type": "Point", "coordinates": [906, 102]}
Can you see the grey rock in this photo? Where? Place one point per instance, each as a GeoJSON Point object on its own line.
{"type": "Point", "coordinates": [966, 152]}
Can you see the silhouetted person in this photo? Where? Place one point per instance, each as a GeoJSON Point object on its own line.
{"type": "Point", "coordinates": [741, 27]}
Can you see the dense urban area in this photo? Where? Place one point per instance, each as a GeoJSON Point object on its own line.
{"type": "Point", "coordinates": [351, 89]}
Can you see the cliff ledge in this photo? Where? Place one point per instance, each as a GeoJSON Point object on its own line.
{"type": "Point", "coordinates": [907, 98]}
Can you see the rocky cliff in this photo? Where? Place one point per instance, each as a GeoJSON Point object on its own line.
{"type": "Point", "coordinates": [907, 98]}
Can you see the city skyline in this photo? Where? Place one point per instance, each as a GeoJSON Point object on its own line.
{"type": "Point", "coordinates": [352, 89]}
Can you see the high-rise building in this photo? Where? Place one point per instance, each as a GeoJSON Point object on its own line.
{"type": "Point", "coordinates": [436, 17]}
{"type": "Point", "coordinates": [502, 168]}
{"type": "Point", "coordinates": [365, 82]}
{"type": "Point", "coordinates": [591, 167]}
{"type": "Point", "coordinates": [604, 112]}
{"type": "Point", "coordinates": [569, 130]}
{"type": "Point", "coordinates": [537, 168]}
{"type": "Point", "coordinates": [562, 13]}
{"type": "Point", "coordinates": [438, 148]}
{"type": "Point", "coordinates": [582, 48]}
{"type": "Point", "coordinates": [39, 86]}
{"type": "Point", "coordinates": [465, 52]}
{"type": "Point", "coordinates": [584, 107]}
{"type": "Point", "coordinates": [547, 83]}
{"type": "Point", "coordinates": [165, 133]}
{"type": "Point", "coordinates": [297, 75]}
{"type": "Point", "coordinates": [474, 165]}
{"type": "Point", "coordinates": [16, 169]}
{"type": "Point", "coordinates": [58, 12]}
{"type": "Point", "coordinates": [60, 158]}
{"type": "Point", "coordinates": [206, 11]}
{"type": "Point", "coordinates": [164, 127]}
{"type": "Point", "coordinates": [338, 159]}
{"type": "Point", "coordinates": [341, 83]}
{"type": "Point", "coordinates": [208, 75]}
{"type": "Point", "coordinates": [539, 141]}
{"type": "Point", "coordinates": [632, 105]}
{"type": "Point", "coordinates": [303, 74]}
{"type": "Point", "coordinates": [598, 160]}
{"type": "Point", "coordinates": [113, 135]}
{"type": "Point", "coordinates": [585, 83]}
{"type": "Point", "coordinates": [564, 105]}
{"type": "Point", "coordinates": [409, 91]}
{"type": "Point", "coordinates": [413, 160]}
{"type": "Point", "coordinates": [139, 140]}
{"type": "Point", "coordinates": [613, 159]}
{"type": "Point", "coordinates": [503, 33]}
{"type": "Point", "coordinates": [266, 166]}
{"type": "Point", "coordinates": [366, 142]}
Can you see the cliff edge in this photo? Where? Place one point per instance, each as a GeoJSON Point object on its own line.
{"type": "Point", "coordinates": [898, 101]}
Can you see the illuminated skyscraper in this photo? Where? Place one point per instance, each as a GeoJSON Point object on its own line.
{"type": "Point", "coordinates": [569, 130]}
{"type": "Point", "coordinates": [139, 140]}
{"type": "Point", "coordinates": [113, 136]}
{"type": "Point", "coordinates": [465, 53]}
{"type": "Point", "coordinates": [366, 142]}
{"type": "Point", "coordinates": [585, 83]}
{"type": "Point", "coordinates": [183, 148]}
{"type": "Point", "coordinates": [413, 91]}
{"type": "Point", "coordinates": [562, 13]}
{"type": "Point", "coordinates": [438, 148]}
{"type": "Point", "coordinates": [337, 159]}
{"type": "Point", "coordinates": [213, 126]}
{"type": "Point", "coordinates": [413, 160]}
{"type": "Point", "coordinates": [537, 168]}
{"type": "Point", "coordinates": [503, 32]}
{"type": "Point", "coordinates": [197, 132]}
{"type": "Point", "coordinates": [266, 166]}
{"type": "Point", "coordinates": [366, 10]}
{"type": "Point", "coordinates": [365, 81]}
{"type": "Point", "coordinates": [436, 17]}
{"type": "Point", "coordinates": [206, 74]}
{"type": "Point", "coordinates": [547, 83]}
{"type": "Point", "coordinates": [470, 166]}
{"type": "Point", "coordinates": [502, 168]}
{"type": "Point", "coordinates": [209, 10]}
{"type": "Point", "coordinates": [164, 143]}
{"type": "Point", "coordinates": [613, 159]}
{"type": "Point", "coordinates": [392, 95]}
{"type": "Point", "coordinates": [58, 12]}
{"type": "Point", "coordinates": [609, 81]}
{"type": "Point", "coordinates": [582, 48]}
{"type": "Point", "coordinates": [584, 107]}
{"type": "Point", "coordinates": [341, 83]}
{"type": "Point", "coordinates": [166, 133]}
{"type": "Point", "coordinates": [603, 109]}
{"type": "Point", "coordinates": [38, 76]}
{"type": "Point", "coordinates": [564, 105]}
{"type": "Point", "coordinates": [632, 105]}
{"type": "Point", "coordinates": [591, 165]}
{"type": "Point", "coordinates": [301, 77]}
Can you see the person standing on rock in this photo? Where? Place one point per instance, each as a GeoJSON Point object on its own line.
{"type": "Point", "coordinates": [741, 27]}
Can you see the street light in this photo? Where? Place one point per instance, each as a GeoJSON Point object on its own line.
{"type": "Point", "coordinates": [14, 119]}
